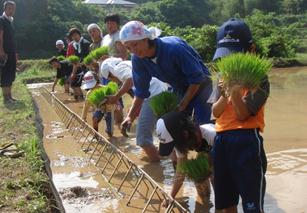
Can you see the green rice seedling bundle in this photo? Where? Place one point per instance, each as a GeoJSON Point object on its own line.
{"type": "Point", "coordinates": [61, 58]}
{"type": "Point", "coordinates": [197, 169]}
{"type": "Point", "coordinates": [73, 59]}
{"type": "Point", "coordinates": [88, 59]}
{"type": "Point", "coordinates": [97, 96]}
{"type": "Point", "coordinates": [246, 70]}
{"type": "Point", "coordinates": [99, 52]}
{"type": "Point", "coordinates": [163, 103]}
{"type": "Point", "coordinates": [111, 88]}
{"type": "Point", "coordinates": [61, 81]}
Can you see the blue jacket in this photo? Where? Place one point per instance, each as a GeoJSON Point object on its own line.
{"type": "Point", "coordinates": [176, 63]}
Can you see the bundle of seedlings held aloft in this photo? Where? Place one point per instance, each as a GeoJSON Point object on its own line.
{"type": "Point", "coordinates": [163, 103]}
{"type": "Point", "coordinates": [61, 58]}
{"type": "Point", "coordinates": [95, 55]}
{"type": "Point", "coordinates": [73, 59]}
{"type": "Point", "coordinates": [98, 97]}
{"type": "Point", "coordinates": [242, 69]}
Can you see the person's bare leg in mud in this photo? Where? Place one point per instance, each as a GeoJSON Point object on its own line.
{"type": "Point", "coordinates": [66, 88]}
{"type": "Point", "coordinates": [174, 159]}
{"type": "Point", "coordinates": [152, 152]}
{"type": "Point", "coordinates": [95, 123]}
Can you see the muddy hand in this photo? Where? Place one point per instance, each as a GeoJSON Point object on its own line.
{"type": "Point", "coordinates": [125, 126]}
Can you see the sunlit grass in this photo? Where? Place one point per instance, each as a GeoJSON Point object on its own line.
{"type": "Point", "coordinates": [23, 181]}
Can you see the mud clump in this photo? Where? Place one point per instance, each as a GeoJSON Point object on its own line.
{"type": "Point", "coordinates": [74, 192]}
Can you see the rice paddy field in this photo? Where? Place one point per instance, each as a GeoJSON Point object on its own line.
{"type": "Point", "coordinates": [285, 139]}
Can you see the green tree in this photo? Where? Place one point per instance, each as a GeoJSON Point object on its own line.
{"type": "Point", "coordinates": [185, 12]}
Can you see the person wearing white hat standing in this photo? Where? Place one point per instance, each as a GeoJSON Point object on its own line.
{"type": "Point", "coordinates": [96, 35]}
{"type": "Point", "coordinates": [60, 46]}
{"type": "Point", "coordinates": [90, 83]}
{"type": "Point", "coordinates": [171, 60]}
{"type": "Point", "coordinates": [121, 73]}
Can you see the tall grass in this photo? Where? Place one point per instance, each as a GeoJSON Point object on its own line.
{"type": "Point", "coordinates": [23, 182]}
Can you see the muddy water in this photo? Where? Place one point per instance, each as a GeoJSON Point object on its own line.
{"type": "Point", "coordinates": [285, 143]}
{"type": "Point", "coordinates": [285, 140]}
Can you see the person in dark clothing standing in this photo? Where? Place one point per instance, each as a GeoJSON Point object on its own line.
{"type": "Point", "coordinates": [82, 49]}
{"type": "Point", "coordinates": [7, 51]}
{"type": "Point", "coordinates": [80, 44]}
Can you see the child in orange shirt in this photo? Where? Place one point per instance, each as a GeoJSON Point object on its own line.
{"type": "Point", "coordinates": [239, 159]}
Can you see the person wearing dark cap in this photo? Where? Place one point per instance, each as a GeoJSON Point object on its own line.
{"type": "Point", "coordinates": [111, 40]}
{"type": "Point", "coordinates": [239, 161]}
{"type": "Point", "coordinates": [177, 132]}
{"type": "Point", "coordinates": [64, 70]}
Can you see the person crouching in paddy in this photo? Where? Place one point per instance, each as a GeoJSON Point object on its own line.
{"type": "Point", "coordinates": [91, 82]}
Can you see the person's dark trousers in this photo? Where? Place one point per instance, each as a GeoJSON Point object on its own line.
{"type": "Point", "coordinates": [8, 74]}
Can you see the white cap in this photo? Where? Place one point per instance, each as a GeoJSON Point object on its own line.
{"type": "Point", "coordinates": [89, 81]}
{"type": "Point", "coordinates": [136, 30]}
{"type": "Point", "coordinates": [58, 42]}
{"type": "Point", "coordinates": [108, 65]}
{"type": "Point", "coordinates": [93, 26]}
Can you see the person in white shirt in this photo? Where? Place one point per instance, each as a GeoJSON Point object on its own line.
{"type": "Point", "coordinates": [111, 40]}
{"type": "Point", "coordinates": [122, 73]}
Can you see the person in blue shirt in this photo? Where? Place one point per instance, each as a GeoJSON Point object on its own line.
{"type": "Point", "coordinates": [171, 60]}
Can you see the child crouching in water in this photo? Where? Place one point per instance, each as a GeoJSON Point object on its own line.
{"type": "Point", "coordinates": [91, 82]}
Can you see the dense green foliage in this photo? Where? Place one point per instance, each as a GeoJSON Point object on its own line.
{"type": "Point", "coordinates": [247, 70]}
{"type": "Point", "coordinates": [163, 103]}
{"type": "Point", "coordinates": [279, 26]}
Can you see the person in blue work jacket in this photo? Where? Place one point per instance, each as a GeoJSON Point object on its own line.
{"type": "Point", "coordinates": [171, 60]}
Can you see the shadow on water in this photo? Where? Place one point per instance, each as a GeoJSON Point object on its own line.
{"type": "Point", "coordinates": [271, 204]}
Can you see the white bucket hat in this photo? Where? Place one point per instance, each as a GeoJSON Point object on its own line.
{"type": "Point", "coordinates": [108, 65]}
{"type": "Point", "coordinates": [58, 42]}
{"type": "Point", "coordinates": [89, 80]}
{"type": "Point", "coordinates": [93, 26]}
{"type": "Point", "coordinates": [136, 30]}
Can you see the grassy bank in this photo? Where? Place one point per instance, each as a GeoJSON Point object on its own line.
{"type": "Point", "coordinates": [24, 184]}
